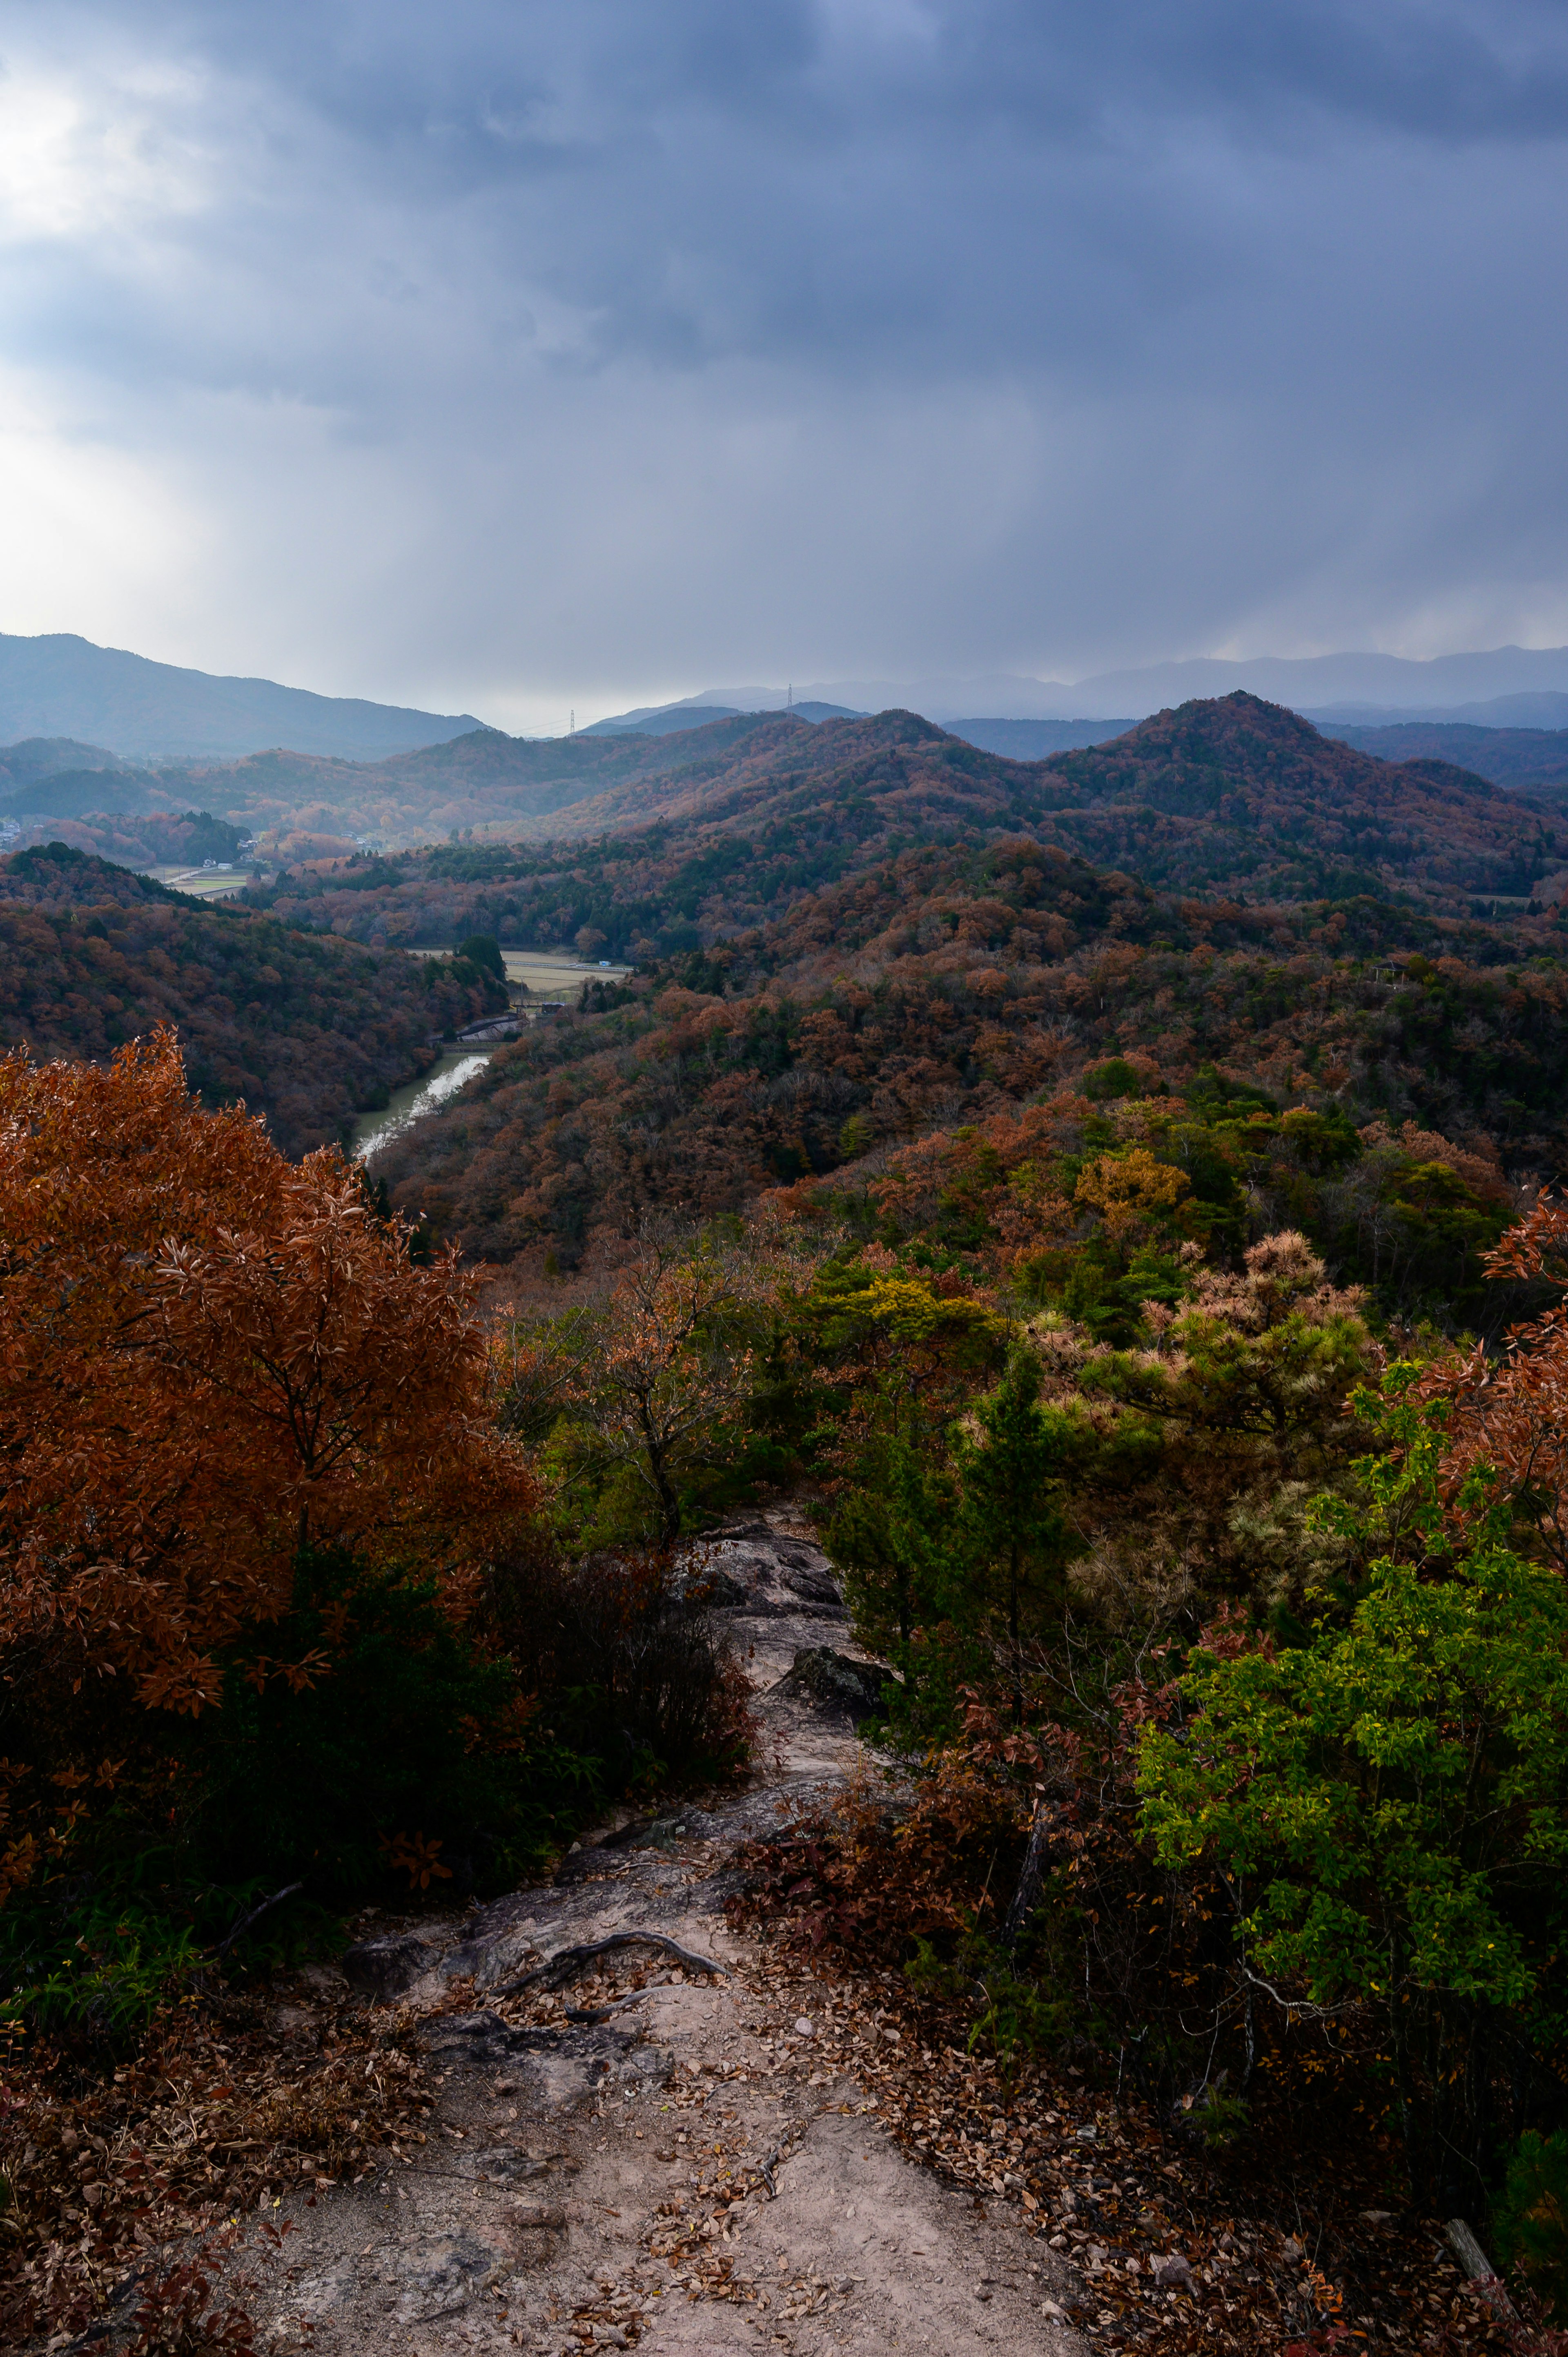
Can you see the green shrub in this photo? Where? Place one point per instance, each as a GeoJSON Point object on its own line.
{"type": "Point", "coordinates": [1389, 1797]}
{"type": "Point", "coordinates": [1114, 1078]}
{"type": "Point", "coordinates": [1530, 2223]}
{"type": "Point", "coordinates": [408, 1758]}
{"type": "Point", "coordinates": [413, 1733]}
{"type": "Point", "coordinates": [1219, 2117]}
{"type": "Point", "coordinates": [1014, 2015]}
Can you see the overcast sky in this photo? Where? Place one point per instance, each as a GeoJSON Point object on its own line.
{"type": "Point", "coordinates": [508, 355]}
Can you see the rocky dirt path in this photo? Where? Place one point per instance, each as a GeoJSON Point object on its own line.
{"type": "Point", "coordinates": [637, 2152]}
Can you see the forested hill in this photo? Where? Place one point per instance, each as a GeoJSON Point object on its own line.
{"type": "Point", "coordinates": [1222, 795]}
{"type": "Point", "coordinates": [1230, 797]}
{"type": "Point", "coordinates": [1239, 793]}
{"type": "Point", "coordinates": [1528, 760]}
{"type": "Point", "coordinates": [1226, 793]}
{"type": "Point", "coordinates": [960, 985]}
{"type": "Point", "coordinates": [306, 1027]}
{"type": "Point", "coordinates": [483, 778]}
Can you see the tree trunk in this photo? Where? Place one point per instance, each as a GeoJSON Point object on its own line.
{"type": "Point", "coordinates": [669, 1510]}
{"type": "Point", "coordinates": [1027, 1896]}
{"type": "Point", "coordinates": [658, 1474]}
{"type": "Point", "coordinates": [669, 1503]}
{"type": "Point", "coordinates": [1013, 1633]}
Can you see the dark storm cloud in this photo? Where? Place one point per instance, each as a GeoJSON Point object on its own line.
{"type": "Point", "coordinates": [671, 341]}
{"type": "Point", "coordinates": [867, 183]}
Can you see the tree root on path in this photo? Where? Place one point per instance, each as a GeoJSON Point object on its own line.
{"type": "Point", "coordinates": [564, 1963]}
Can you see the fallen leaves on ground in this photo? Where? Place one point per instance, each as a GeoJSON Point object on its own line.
{"type": "Point", "coordinates": [108, 2173]}
{"type": "Point", "coordinates": [1171, 2246]}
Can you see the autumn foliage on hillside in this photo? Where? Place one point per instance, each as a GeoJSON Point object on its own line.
{"type": "Point", "coordinates": [1507, 1412]}
{"type": "Point", "coordinates": [158, 839]}
{"type": "Point", "coordinates": [484, 776]}
{"type": "Point", "coordinates": [304, 1028]}
{"type": "Point", "coordinates": [939, 990]}
{"type": "Point", "coordinates": [1220, 798]}
{"type": "Point", "coordinates": [1235, 792]}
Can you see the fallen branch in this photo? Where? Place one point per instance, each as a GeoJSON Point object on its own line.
{"type": "Point", "coordinates": [1478, 2267]}
{"type": "Point", "coordinates": [255, 1915]}
{"type": "Point", "coordinates": [564, 1963]}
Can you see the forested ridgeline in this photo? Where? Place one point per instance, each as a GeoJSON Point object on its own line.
{"type": "Point", "coordinates": [158, 839]}
{"type": "Point", "coordinates": [946, 987]}
{"type": "Point", "coordinates": [482, 778]}
{"type": "Point", "coordinates": [32, 758]}
{"type": "Point", "coordinates": [1234, 796]}
{"type": "Point", "coordinates": [1532, 760]}
{"type": "Point", "coordinates": [306, 1029]}
{"type": "Point", "coordinates": [1224, 794]}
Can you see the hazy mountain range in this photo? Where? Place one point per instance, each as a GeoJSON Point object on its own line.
{"type": "Point", "coordinates": [720, 829]}
{"type": "Point", "coordinates": [1508, 687]}
{"type": "Point", "coordinates": [509, 789]}
{"type": "Point", "coordinates": [876, 928]}
{"type": "Point", "coordinates": [61, 685]}
{"type": "Point", "coordinates": [1007, 915]}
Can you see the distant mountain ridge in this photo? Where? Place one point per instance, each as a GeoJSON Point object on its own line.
{"type": "Point", "coordinates": [73, 793]}
{"type": "Point", "coordinates": [1218, 794]}
{"type": "Point", "coordinates": [1035, 740]}
{"type": "Point", "coordinates": [1352, 687]}
{"type": "Point", "coordinates": [1525, 761]}
{"type": "Point", "coordinates": [1022, 740]}
{"type": "Point", "coordinates": [62, 685]}
{"type": "Point", "coordinates": [749, 819]}
{"type": "Point", "coordinates": [24, 764]}
{"type": "Point", "coordinates": [662, 719]}
{"type": "Point", "coordinates": [1497, 712]}
{"type": "Point", "coordinates": [875, 929]}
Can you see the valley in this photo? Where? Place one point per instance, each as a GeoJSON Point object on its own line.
{"type": "Point", "coordinates": [303, 1028]}
{"type": "Point", "coordinates": [986, 1294]}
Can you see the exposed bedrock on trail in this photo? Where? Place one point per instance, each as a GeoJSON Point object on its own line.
{"type": "Point", "coordinates": [686, 2168]}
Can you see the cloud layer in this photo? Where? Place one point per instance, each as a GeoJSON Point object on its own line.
{"type": "Point", "coordinates": [584, 353]}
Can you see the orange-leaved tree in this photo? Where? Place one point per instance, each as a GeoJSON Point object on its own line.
{"type": "Point", "coordinates": [674, 1359]}
{"type": "Point", "coordinates": [208, 1359]}
{"type": "Point", "coordinates": [1508, 1414]}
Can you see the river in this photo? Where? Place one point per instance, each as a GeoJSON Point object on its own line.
{"type": "Point", "coordinates": [541, 972]}
{"type": "Point", "coordinates": [412, 1102]}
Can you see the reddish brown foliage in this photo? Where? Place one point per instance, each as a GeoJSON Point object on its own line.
{"type": "Point", "coordinates": [206, 1357]}
{"type": "Point", "coordinates": [304, 1028]}
{"type": "Point", "coordinates": [1508, 1415]}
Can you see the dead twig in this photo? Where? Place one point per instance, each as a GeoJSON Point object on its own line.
{"type": "Point", "coordinates": [254, 1915]}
